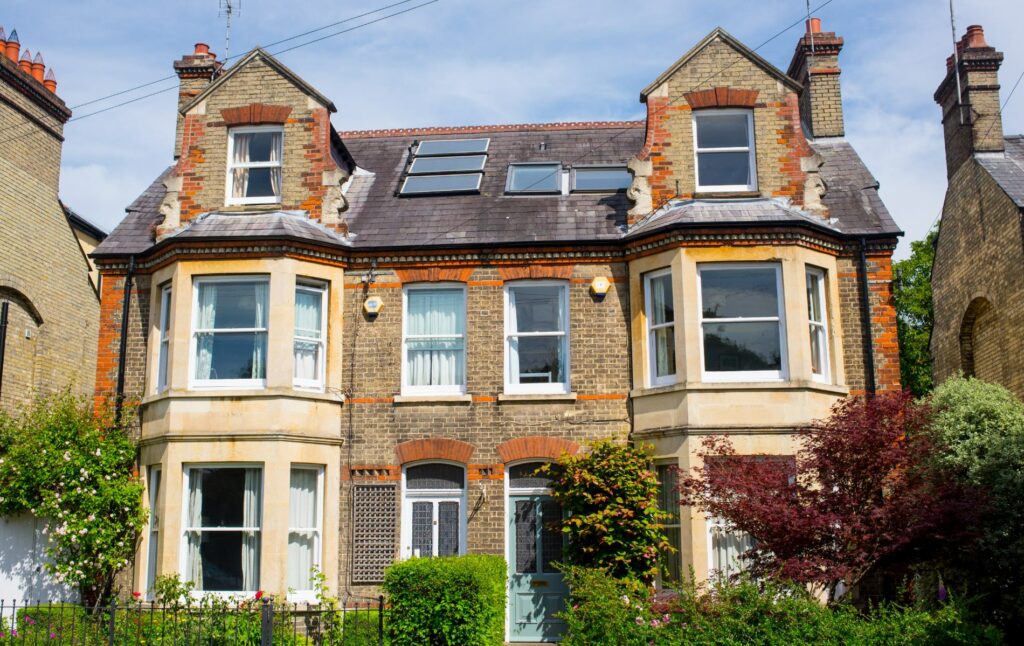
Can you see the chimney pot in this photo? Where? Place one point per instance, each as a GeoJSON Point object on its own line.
{"type": "Point", "coordinates": [50, 81]}
{"type": "Point", "coordinates": [12, 46]}
{"type": "Point", "coordinates": [3, 35]}
{"type": "Point", "coordinates": [202, 49]}
{"type": "Point", "coordinates": [25, 63]}
{"type": "Point", "coordinates": [975, 37]}
{"type": "Point", "coordinates": [814, 26]}
{"type": "Point", "coordinates": [38, 67]}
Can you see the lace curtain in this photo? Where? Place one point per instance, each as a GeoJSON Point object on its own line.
{"type": "Point", "coordinates": [302, 523]}
{"type": "Point", "coordinates": [435, 340]}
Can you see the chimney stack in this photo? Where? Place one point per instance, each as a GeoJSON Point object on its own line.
{"type": "Point", "coordinates": [972, 124]}
{"type": "Point", "coordinates": [195, 71]}
{"type": "Point", "coordinates": [815, 65]}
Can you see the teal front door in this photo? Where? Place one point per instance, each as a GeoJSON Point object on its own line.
{"type": "Point", "coordinates": [536, 588]}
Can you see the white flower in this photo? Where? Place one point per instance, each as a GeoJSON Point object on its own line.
{"type": "Point", "coordinates": [67, 456]}
{"type": "Point", "coordinates": [625, 600]}
{"type": "Point", "coordinates": [97, 453]}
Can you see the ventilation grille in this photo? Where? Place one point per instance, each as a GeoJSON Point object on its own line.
{"type": "Point", "coordinates": [375, 510]}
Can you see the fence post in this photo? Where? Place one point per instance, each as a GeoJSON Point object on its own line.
{"type": "Point", "coordinates": [111, 625]}
{"type": "Point", "coordinates": [380, 621]}
{"type": "Point", "coordinates": [266, 623]}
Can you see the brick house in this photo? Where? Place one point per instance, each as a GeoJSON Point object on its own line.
{"type": "Point", "coordinates": [977, 284]}
{"type": "Point", "coordinates": [355, 347]}
{"type": "Point", "coordinates": [48, 328]}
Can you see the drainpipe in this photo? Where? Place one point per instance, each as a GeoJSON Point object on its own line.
{"type": "Point", "coordinates": [3, 339]}
{"type": "Point", "coordinates": [865, 302]}
{"type": "Point", "coordinates": [125, 306]}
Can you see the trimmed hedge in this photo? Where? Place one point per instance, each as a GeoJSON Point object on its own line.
{"type": "Point", "coordinates": [448, 601]}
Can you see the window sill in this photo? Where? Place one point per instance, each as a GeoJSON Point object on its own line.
{"type": "Point", "coordinates": [725, 195]}
{"type": "Point", "coordinates": [726, 386]}
{"type": "Point", "coordinates": [245, 393]}
{"type": "Point", "coordinates": [427, 400]}
{"type": "Point", "coordinates": [255, 206]}
{"type": "Point", "coordinates": [516, 398]}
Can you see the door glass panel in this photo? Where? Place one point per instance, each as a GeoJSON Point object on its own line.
{"type": "Point", "coordinates": [447, 528]}
{"type": "Point", "coordinates": [526, 536]}
{"type": "Point", "coordinates": [550, 535]}
{"type": "Point", "coordinates": [422, 529]}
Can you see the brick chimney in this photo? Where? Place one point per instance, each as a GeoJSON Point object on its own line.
{"type": "Point", "coordinates": [195, 71]}
{"type": "Point", "coordinates": [815, 65]}
{"type": "Point", "coordinates": [973, 125]}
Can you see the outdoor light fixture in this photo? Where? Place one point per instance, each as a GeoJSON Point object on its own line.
{"type": "Point", "coordinates": [600, 286]}
{"type": "Point", "coordinates": [373, 305]}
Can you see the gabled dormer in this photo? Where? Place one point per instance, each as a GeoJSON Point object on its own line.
{"type": "Point", "coordinates": [252, 137]}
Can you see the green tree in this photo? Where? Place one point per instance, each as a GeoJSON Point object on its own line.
{"type": "Point", "coordinates": [610, 495]}
{"type": "Point", "coordinates": [914, 318]}
{"type": "Point", "coordinates": [62, 463]}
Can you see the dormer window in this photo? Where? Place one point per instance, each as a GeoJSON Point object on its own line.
{"type": "Point", "coordinates": [724, 149]}
{"type": "Point", "coordinates": [254, 165]}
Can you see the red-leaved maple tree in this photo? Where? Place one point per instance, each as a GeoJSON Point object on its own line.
{"type": "Point", "coordinates": [859, 490]}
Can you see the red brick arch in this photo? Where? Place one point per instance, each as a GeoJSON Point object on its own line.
{"type": "Point", "coordinates": [536, 446]}
{"type": "Point", "coordinates": [434, 449]}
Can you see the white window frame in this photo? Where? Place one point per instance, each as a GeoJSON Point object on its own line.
{"type": "Point", "coordinates": [225, 384]}
{"type": "Point", "coordinates": [309, 596]}
{"type": "Point", "coordinates": [407, 388]}
{"type": "Point", "coordinates": [549, 388]}
{"type": "Point", "coordinates": [163, 352]}
{"type": "Point", "coordinates": [186, 528]}
{"type": "Point", "coordinates": [434, 496]}
{"type": "Point", "coordinates": [749, 149]}
{"type": "Point", "coordinates": [816, 275]}
{"type": "Point", "coordinates": [744, 375]}
{"type": "Point", "coordinates": [653, 379]}
{"type": "Point", "coordinates": [317, 384]}
{"type": "Point", "coordinates": [228, 182]}
{"type": "Point", "coordinates": [154, 482]}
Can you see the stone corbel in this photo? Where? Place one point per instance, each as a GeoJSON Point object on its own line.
{"type": "Point", "coordinates": [335, 203]}
{"type": "Point", "coordinates": [170, 208]}
{"type": "Point", "coordinates": [814, 186]}
{"type": "Point", "coordinates": [639, 190]}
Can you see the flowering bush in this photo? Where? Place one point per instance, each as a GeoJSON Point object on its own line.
{"type": "Point", "coordinates": [75, 470]}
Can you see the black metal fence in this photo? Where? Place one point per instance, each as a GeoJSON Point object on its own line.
{"type": "Point", "coordinates": [359, 621]}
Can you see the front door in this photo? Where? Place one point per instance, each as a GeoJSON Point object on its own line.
{"type": "Point", "coordinates": [536, 588]}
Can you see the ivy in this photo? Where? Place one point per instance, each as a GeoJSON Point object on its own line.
{"type": "Point", "coordinates": [62, 463]}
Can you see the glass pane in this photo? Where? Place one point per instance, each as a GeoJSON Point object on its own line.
{"type": "Point", "coordinates": [602, 179]}
{"type": "Point", "coordinates": [665, 352]}
{"type": "Point", "coordinates": [436, 367]}
{"type": "Point", "coordinates": [220, 556]}
{"type": "Point", "coordinates": [447, 528]}
{"type": "Point", "coordinates": [441, 183]}
{"type": "Point", "coordinates": [672, 561]}
{"type": "Point", "coordinates": [738, 293]}
{"type": "Point", "coordinates": [448, 164]}
{"type": "Point", "coordinates": [307, 360]}
{"type": "Point", "coordinates": [262, 182]}
{"type": "Point", "coordinates": [308, 313]}
{"type": "Point", "coordinates": [525, 475]}
{"type": "Point", "coordinates": [232, 305]}
{"type": "Point", "coordinates": [537, 309]}
{"type": "Point", "coordinates": [262, 145]}
{"type": "Point", "coordinates": [526, 536]}
{"type": "Point", "coordinates": [727, 548]}
{"type": "Point", "coordinates": [231, 355]}
{"type": "Point", "coordinates": [422, 529]}
{"type": "Point", "coordinates": [662, 307]}
{"type": "Point", "coordinates": [435, 312]}
{"type": "Point", "coordinates": [723, 169]}
{"type": "Point", "coordinates": [741, 346]}
{"type": "Point", "coordinates": [540, 360]}
{"type": "Point", "coordinates": [301, 546]}
{"type": "Point", "coordinates": [452, 146]}
{"type": "Point", "coordinates": [817, 348]}
{"type": "Point", "coordinates": [222, 496]}
{"type": "Point", "coordinates": [722, 131]}
{"type": "Point", "coordinates": [668, 497]}
{"type": "Point", "coordinates": [550, 535]}
{"type": "Point", "coordinates": [814, 298]}
{"type": "Point", "coordinates": [435, 476]}
{"type": "Point", "coordinates": [544, 178]}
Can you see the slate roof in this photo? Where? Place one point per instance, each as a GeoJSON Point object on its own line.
{"type": "Point", "coordinates": [278, 225]}
{"type": "Point", "coordinates": [1008, 170]}
{"type": "Point", "coordinates": [134, 234]}
{"type": "Point", "coordinates": [852, 191]}
{"type": "Point", "coordinates": [768, 211]}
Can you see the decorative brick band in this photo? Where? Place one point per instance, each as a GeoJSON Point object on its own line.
{"type": "Point", "coordinates": [434, 449]}
{"type": "Point", "coordinates": [563, 272]}
{"type": "Point", "coordinates": [256, 114]}
{"type": "Point", "coordinates": [536, 446]}
{"type": "Point", "coordinates": [434, 274]}
{"type": "Point", "coordinates": [721, 97]}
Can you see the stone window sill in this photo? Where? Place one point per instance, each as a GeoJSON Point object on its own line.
{"type": "Point", "coordinates": [536, 397]}
{"type": "Point", "coordinates": [427, 400]}
{"type": "Point", "coordinates": [732, 386]}
{"type": "Point", "coordinates": [246, 393]}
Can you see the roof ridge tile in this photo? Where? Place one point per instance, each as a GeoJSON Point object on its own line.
{"type": "Point", "coordinates": [480, 129]}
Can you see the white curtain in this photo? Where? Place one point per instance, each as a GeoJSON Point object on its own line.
{"type": "Point", "coordinates": [259, 343]}
{"type": "Point", "coordinates": [727, 548]}
{"type": "Point", "coordinates": [302, 519]}
{"type": "Point", "coordinates": [275, 156]}
{"type": "Point", "coordinates": [206, 317]}
{"type": "Point", "coordinates": [251, 538]}
{"type": "Point", "coordinates": [195, 520]}
{"type": "Point", "coordinates": [436, 361]}
{"type": "Point", "coordinates": [240, 183]}
{"type": "Point", "coordinates": [308, 322]}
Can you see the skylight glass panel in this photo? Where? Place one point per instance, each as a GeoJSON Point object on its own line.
{"type": "Point", "coordinates": [534, 178]}
{"type": "Point", "coordinates": [452, 147]}
{"type": "Point", "coordinates": [423, 184]}
{"type": "Point", "coordinates": [457, 164]}
{"type": "Point", "coordinates": [610, 178]}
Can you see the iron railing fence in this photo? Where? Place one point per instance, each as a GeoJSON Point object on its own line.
{"type": "Point", "coordinates": [357, 621]}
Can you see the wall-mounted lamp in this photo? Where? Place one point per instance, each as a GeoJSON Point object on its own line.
{"type": "Point", "coordinates": [599, 286]}
{"type": "Point", "coordinates": [373, 305]}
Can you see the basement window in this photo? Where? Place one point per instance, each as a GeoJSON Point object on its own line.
{"type": "Point", "coordinates": [445, 166]}
{"type": "Point", "coordinates": [254, 165]}
{"type": "Point", "coordinates": [724, 149]}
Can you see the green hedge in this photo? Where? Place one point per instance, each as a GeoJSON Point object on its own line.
{"type": "Point", "coordinates": [449, 601]}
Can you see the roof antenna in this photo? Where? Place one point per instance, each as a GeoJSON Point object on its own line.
{"type": "Point", "coordinates": [956, 65]}
{"type": "Point", "coordinates": [810, 59]}
{"type": "Point", "coordinates": [229, 8]}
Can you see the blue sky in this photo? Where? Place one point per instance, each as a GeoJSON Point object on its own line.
{"type": "Point", "coordinates": [457, 62]}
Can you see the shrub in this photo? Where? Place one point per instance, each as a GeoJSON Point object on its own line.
{"type": "Point", "coordinates": [448, 601]}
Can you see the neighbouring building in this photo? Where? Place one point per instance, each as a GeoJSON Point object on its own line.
{"type": "Point", "coordinates": [49, 302]}
{"type": "Point", "coordinates": [977, 277]}
{"type": "Point", "coordinates": [356, 347]}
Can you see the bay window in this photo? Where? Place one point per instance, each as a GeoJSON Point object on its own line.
{"type": "Point", "coordinates": [434, 340]}
{"type": "Point", "coordinates": [165, 338]}
{"type": "Point", "coordinates": [817, 322]}
{"type": "Point", "coordinates": [222, 528]}
{"type": "Point", "coordinates": [726, 549]}
{"type": "Point", "coordinates": [433, 510]}
{"type": "Point", "coordinates": [661, 340]}
{"type": "Point", "coordinates": [742, 324]}
{"type": "Point", "coordinates": [229, 340]}
{"type": "Point", "coordinates": [537, 337]}
{"type": "Point", "coordinates": [310, 335]}
{"type": "Point", "coordinates": [724, 150]}
{"type": "Point", "coordinates": [254, 165]}
{"type": "Point", "coordinates": [305, 518]}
